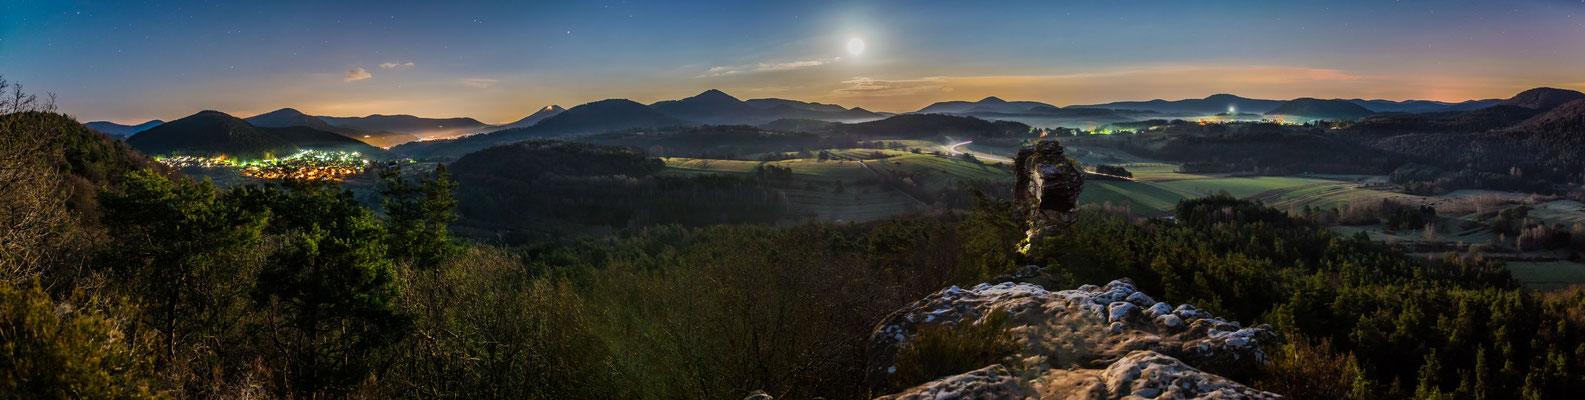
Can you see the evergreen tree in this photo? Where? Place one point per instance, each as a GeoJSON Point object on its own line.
{"type": "Point", "coordinates": [418, 215]}
{"type": "Point", "coordinates": [185, 248]}
{"type": "Point", "coordinates": [330, 293]}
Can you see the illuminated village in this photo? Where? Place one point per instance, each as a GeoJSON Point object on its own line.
{"type": "Point", "coordinates": [304, 165]}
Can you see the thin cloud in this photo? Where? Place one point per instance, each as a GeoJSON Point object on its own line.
{"type": "Point", "coordinates": [1171, 81]}
{"type": "Point", "coordinates": [358, 74]}
{"type": "Point", "coordinates": [390, 65]}
{"type": "Point", "coordinates": [870, 87]}
{"type": "Point", "coordinates": [725, 70]}
{"type": "Point", "coordinates": [479, 83]}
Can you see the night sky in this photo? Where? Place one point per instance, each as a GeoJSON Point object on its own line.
{"type": "Point", "coordinates": [130, 61]}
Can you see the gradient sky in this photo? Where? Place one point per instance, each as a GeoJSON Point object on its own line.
{"type": "Point", "coordinates": [130, 61]}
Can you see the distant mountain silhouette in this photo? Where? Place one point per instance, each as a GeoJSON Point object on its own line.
{"type": "Point", "coordinates": [712, 106]}
{"type": "Point", "coordinates": [1423, 106]}
{"type": "Point", "coordinates": [765, 104]}
{"type": "Point", "coordinates": [716, 107]}
{"type": "Point", "coordinates": [121, 131]}
{"type": "Point", "coordinates": [597, 117]}
{"type": "Point", "coordinates": [531, 119]}
{"type": "Point", "coordinates": [1310, 108]}
{"type": "Point", "coordinates": [289, 117]}
{"type": "Point", "coordinates": [988, 104]}
{"type": "Point", "coordinates": [423, 127]}
{"type": "Point", "coordinates": [1543, 98]}
{"type": "Point", "coordinates": [212, 133]}
{"type": "Point", "coordinates": [909, 126]}
{"type": "Point", "coordinates": [1211, 105]}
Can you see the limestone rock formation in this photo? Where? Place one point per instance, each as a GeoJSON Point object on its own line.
{"type": "Point", "coordinates": [1109, 342]}
{"type": "Point", "coordinates": [1047, 189]}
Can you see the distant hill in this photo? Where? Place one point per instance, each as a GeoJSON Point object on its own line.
{"type": "Point", "coordinates": [712, 106]}
{"type": "Point", "coordinates": [988, 104]}
{"type": "Point", "coordinates": [765, 104]}
{"type": "Point", "coordinates": [1567, 119]}
{"type": "Point", "coordinates": [1310, 108]}
{"type": "Point", "coordinates": [908, 126]}
{"type": "Point", "coordinates": [531, 119]}
{"type": "Point", "coordinates": [121, 131]}
{"type": "Point", "coordinates": [1543, 98]}
{"type": "Point", "coordinates": [431, 128]}
{"type": "Point", "coordinates": [291, 117]}
{"type": "Point", "coordinates": [212, 133]}
{"type": "Point", "coordinates": [1422, 106]}
{"type": "Point", "coordinates": [717, 107]}
{"type": "Point", "coordinates": [86, 160]}
{"type": "Point", "coordinates": [288, 117]}
{"type": "Point", "coordinates": [1213, 104]}
{"type": "Point", "coordinates": [597, 117]}
{"type": "Point", "coordinates": [547, 189]}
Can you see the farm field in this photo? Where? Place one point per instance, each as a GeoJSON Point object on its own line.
{"type": "Point", "coordinates": [1547, 275]}
{"type": "Point", "coordinates": [1324, 195]}
{"type": "Point", "coordinates": [1142, 197]}
{"type": "Point", "coordinates": [1567, 212]}
{"type": "Point", "coordinates": [1159, 172]}
{"type": "Point", "coordinates": [1237, 187]}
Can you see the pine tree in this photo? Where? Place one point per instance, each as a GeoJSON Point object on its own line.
{"type": "Point", "coordinates": [330, 293]}
{"type": "Point", "coordinates": [418, 215]}
{"type": "Point", "coordinates": [183, 246]}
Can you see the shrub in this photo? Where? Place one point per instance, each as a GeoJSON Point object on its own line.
{"type": "Point", "coordinates": [939, 351]}
{"type": "Point", "coordinates": [54, 351]}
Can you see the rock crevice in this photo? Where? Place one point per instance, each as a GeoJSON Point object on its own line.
{"type": "Point", "coordinates": [1094, 342]}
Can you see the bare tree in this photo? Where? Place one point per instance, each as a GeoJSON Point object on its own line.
{"type": "Point", "coordinates": [16, 100]}
{"type": "Point", "coordinates": [32, 202]}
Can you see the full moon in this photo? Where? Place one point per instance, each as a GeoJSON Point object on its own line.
{"type": "Point", "coordinates": [855, 46]}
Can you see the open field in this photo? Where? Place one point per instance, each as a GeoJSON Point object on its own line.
{"type": "Point", "coordinates": [1325, 195]}
{"type": "Point", "coordinates": [1143, 197]}
{"type": "Point", "coordinates": [1567, 212]}
{"type": "Point", "coordinates": [1548, 275]}
{"type": "Point", "coordinates": [1157, 172]}
{"type": "Point", "coordinates": [1237, 187]}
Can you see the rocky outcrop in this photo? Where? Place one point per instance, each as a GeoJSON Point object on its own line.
{"type": "Point", "coordinates": [1047, 188]}
{"type": "Point", "coordinates": [1094, 342]}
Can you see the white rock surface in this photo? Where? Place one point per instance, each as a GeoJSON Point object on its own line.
{"type": "Point", "coordinates": [1094, 342]}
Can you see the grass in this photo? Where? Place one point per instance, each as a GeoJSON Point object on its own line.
{"type": "Point", "coordinates": [1567, 212]}
{"type": "Point", "coordinates": [1141, 196]}
{"type": "Point", "coordinates": [1326, 195]}
{"type": "Point", "coordinates": [1157, 172]}
{"type": "Point", "coordinates": [939, 351]}
{"type": "Point", "coordinates": [1548, 275]}
{"type": "Point", "coordinates": [710, 166]}
{"type": "Point", "coordinates": [1238, 187]}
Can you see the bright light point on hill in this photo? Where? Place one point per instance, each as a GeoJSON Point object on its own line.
{"type": "Point", "coordinates": [855, 46]}
{"type": "Point", "coordinates": [1232, 109]}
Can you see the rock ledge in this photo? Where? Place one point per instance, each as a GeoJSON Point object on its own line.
{"type": "Point", "coordinates": [1094, 342]}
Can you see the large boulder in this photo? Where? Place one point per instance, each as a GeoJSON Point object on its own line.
{"type": "Point", "coordinates": [1046, 188]}
{"type": "Point", "coordinates": [1094, 342]}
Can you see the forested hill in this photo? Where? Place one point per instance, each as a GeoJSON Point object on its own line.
{"type": "Point", "coordinates": [539, 189]}
{"type": "Point", "coordinates": [213, 133]}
